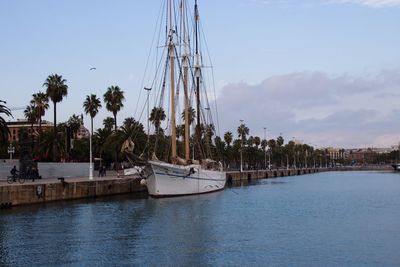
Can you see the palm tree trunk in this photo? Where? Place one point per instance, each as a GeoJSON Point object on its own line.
{"type": "Point", "coordinates": [55, 133]}
{"type": "Point", "coordinates": [116, 149]}
{"type": "Point", "coordinates": [40, 124]}
{"type": "Point", "coordinates": [32, 141]}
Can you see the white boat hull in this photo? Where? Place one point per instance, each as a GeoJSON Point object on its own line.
{"type": "Point", "coordinates": [164, 179]}
{"type": "Point", "coordinates": [396, 167]}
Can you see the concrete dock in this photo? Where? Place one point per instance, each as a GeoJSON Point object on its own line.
{"type": "Point", "coordinates": [47, 190]}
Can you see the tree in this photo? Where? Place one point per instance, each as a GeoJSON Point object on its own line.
{"type": "Point", "coordinates": [134, 131]}
{"type": "Point", "coordinates": [108, 123]}
{"type": "Point", "coordinates": [100, 141]}
{"type": "Point", "coordinates": [75, 123]}
{"type": "Point", "coordinates": [129, 121]}
{"type": "Point", "coordinates": [242, 131]}
{"type": "Point", "coordinates": [41, 102]}
{"type": "Point", "coordinates": [280, 141]}
{"type": "Point", "coordinates": [30, 114]}
{"type": "Point", "coordinates": [56, 90]}
{"type": "Point", "coordinates": [157, 115]}
{"type": "Point", "coordinates": [92, 105]}
{"type": "Point", "coordinates": [192, 115]}
{"type": "Point", "coordinates": [113, 99]}
{"type": "Point", "coordinates": [257, 141]}
{"type": "Point", "coordinates": [4, 132]}
{"type": "Point", "coordinates": [228, 137]}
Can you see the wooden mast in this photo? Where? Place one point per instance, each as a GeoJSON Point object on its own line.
{"type": "Point", "coordinates": [172, 62]}
{"type": "Point", "coordinates": [185, 83]}
{"type": "Point", "coordinates": [197, 74]}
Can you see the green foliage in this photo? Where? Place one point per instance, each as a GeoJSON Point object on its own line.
{"type": "Point", "coordinates": [4, 111]}
{"type": "Point", "coordinates": [108, 123]}
{"type": "Point", "coordinates": [92, 105]}
{"type": "Point", "coordinates": [157, 115]}
{"type": "Point", "coordinates": [114, 98]}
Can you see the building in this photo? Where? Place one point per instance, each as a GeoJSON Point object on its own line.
{"type": "Point", "coordinates": [336, 153]}
{"type": "Point", "coordinates": [82, 133]}
{"type": "Point", "coordinates": [16, 126]}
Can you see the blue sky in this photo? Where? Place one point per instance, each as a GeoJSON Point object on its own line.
{"type": "Point", "coordinates": [323, 71]}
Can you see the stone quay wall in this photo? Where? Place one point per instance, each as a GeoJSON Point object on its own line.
{"type": "Point", "coordinates": [57, 190]}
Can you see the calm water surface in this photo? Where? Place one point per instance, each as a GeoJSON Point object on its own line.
{"type": "Point", "coordinates": [326, 219]}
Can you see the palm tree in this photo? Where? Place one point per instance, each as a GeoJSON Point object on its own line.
{"type": "Point", "coordinates": [41, 103]}
{"type": "Point", "coordinates": [113, 99]}
{"type": "Point", "coordinates": [132, 130]}
{"type": "Point", "coordinates": [108, 123]}
{"type": "Point", "coordinates": [157, 115]}
{"type": "Point", "coordinates": [31, 115]}
{"type": "Point", "coordinates": [257, 141]}
{"type": "Point", "coordinates": [92, 105]}
{"type": "Point", "coordinates": [56, 90]}
{"type": "Point", "coordinates": [4, 132]}
{"type": "Point", "coordinates": [228, 137]}
{"type": "Point", "coordinates": [100, 140]}
{"type": "Point", "coordinates": [243, 130]}
{"type": "Point", "coordinates": [74, 123]}
{"type": "Point", "coordinates": [192, 115]}
{"type": "Point", "coordinates": [129, 121]}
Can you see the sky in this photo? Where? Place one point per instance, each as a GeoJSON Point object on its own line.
{"type": "Point", "coordinates": [326, 72]}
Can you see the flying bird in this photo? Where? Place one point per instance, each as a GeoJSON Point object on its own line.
{"type": "Point", "coordinates": [92, 68]}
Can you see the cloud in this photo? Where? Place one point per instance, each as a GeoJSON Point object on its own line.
{"type": "Point", "coordinates": [316, 107]}
{"type": "Point", "coordinates": [371, 3]}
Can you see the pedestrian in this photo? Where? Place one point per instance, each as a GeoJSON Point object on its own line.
{"type": "Point", "coordinates": [14, 173]}
{"type": "Point", "coordinates": [34, 174]}
{"type": "Point", "coordinates": [104, 170]}
{"type": "Point", "coordinates": [29, 174]}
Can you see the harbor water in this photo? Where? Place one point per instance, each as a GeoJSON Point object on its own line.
{"type": "Point", "coordinates": [324, 219]}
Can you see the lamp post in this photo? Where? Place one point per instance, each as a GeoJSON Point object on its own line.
{"type": "Point", "coordinates": [265, 146]}
{"type": "Point", "coordinates": [91, 156]}
{"type": "Point", "coordinates": [148, 89]}
{"type": "Point", "coordinates": [11, 150]}
{"type": "Point", "coordinates": [294, 153]}
{"type": "Point", "coordinates": [269, 158]}
{"type": "Point", "coordinates": [241, 146]}
{"type": "Point", "coordinates": [305, 159]}
{"type": "Point", "coordinates": [287, 161]}
{"type": "Point", "coordinates": [90, 143]}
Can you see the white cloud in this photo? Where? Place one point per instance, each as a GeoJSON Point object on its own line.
{"type": "Point", "coordinates": [317, 108]}
{"type": "Point", "coordinates": [371, 3]}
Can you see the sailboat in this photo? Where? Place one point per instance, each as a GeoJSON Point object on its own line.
{"type": "Point", "coordinates": [176, 176]}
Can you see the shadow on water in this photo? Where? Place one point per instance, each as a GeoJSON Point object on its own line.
{"type": "Point", "coordinates": [246, 183]}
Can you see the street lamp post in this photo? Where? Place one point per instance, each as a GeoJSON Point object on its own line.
{"type": "Point", "coordinates": [269, 158]}
{"type": "Point", "coordinates": [90, 143]}
{"type": "Point", "coordinates": [294, 154]}
{"type": "Point", "coordinates": [241, 146]}
{"type": "Point", "coordinates": [11, 150]}
{"type": "Point", "coordinates": [287, 161]}
{"type": "Point", "coordinates": [305, 159]}
{"type": "Point", "coordinates": [265, 148]}
{"type": "Point", "coordinates": [91, 156]}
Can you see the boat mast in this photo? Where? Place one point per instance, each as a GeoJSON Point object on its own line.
{"type": "Point", "coordinates": [185, 81]}
{"type": "Point", "coordinates": [197, 74]}
{"type": "Point", "coordinates": [171, 48]}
